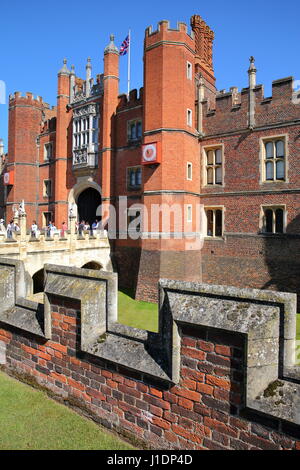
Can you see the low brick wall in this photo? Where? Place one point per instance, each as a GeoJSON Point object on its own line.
{"type": "Point", "coordinates": [205, 400]}
{"type": "Point", "coordinates": [204, 411]}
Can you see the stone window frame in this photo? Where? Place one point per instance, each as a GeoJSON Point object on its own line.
{"type": "Point", "coordinates": [189, 117]}
{"type": "Point", "coordinates": [134, 122]}
{"type": "Point", "coordinates": [206, 149]}
{"type": "Point", "coordinates": [135, 169]}
{"type": "Point", "coordinates": [214, 208]}
{"type": "Point", "coordinates": [262, 223]}
{"type": "Point", "coordinates": [83, 128]}
{"type": "Point", "coordinates": [189, 213]}
{"type": "Point", "coordinates": [262, 157]}
{"type": "Point", "coordinates": [189, 70]}
{"type": "Point", "coordinates": [45, 194]}
{"type": "Point", "coordinates": [48, 145]}
{"type": "Point", "coordinates": [189, 168]}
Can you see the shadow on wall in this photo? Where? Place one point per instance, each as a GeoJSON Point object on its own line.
{"type": "Point", "coordinates": [92, 265]}
{"type": "Point", "coordinates": [38, 281]}
{"type": "Point", "coordinates": [282, 257]}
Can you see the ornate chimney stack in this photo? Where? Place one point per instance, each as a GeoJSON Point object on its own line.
{"type": "Point", "coordinates": [204, 37]}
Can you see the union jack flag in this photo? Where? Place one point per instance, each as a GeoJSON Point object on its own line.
{"type": "Point", "coordinates": [124, 46]}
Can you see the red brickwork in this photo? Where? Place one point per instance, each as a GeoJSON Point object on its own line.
{"type": "Point", "coordinates": [204, 411]}
{"type": "Point", "coordinates": [162, 104]}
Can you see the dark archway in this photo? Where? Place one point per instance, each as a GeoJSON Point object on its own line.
{"type": "Point", "coordinates": [92, 265]}
{"type": "Point", "coordinates": [87, 203]}
{"type": "Point", "coordinates": [38, 281]}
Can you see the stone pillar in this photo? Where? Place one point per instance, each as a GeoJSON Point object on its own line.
{"type": "Point", "coordinates": [23, 235]}
{"type": "Point", "coordinates": [72, 241]}
{"type": "Point", "coordinates": [252, 85]}
{"type": "Point", "coordinates": [23, 226]}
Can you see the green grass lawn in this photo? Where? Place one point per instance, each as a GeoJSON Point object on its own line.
{"type": "Point", "coordinates": [32, 421]}
{"type": "Point", "coordinates": [137, 313]}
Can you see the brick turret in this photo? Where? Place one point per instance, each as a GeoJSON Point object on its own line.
{"type": "Point", "coordinates": [110, 103]}
{"type": "Point", "coordinates": [25, 119]}
{"type": "Point", "coordinates": [169, 121]}
{"type": "Point", "coordinates": [63, 143]}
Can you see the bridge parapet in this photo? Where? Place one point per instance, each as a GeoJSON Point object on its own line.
{"type": "Point", "coordinates": [64, 247]}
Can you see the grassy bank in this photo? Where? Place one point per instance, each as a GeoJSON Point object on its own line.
{"type": "Point", "coordinates": [137, 313]}
{"type": "Point", "coordinates": [32, 421]}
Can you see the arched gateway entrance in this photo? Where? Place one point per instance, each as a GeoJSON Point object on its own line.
{"type": "Point", "coordinates": [87, 203]}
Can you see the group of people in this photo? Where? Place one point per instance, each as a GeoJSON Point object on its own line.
{"type": "Point", "coordinates": [50, 229]}
{"type": "Point", "coordinates": [85, 226]}
{"type": "Point", "coordinates": [11, 227]}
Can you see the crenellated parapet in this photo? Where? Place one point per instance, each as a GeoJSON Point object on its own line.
{"type": "Point", "coordinates": [165, 33]}
{"type": "Point", "coordinates": [231, 108]}
{"type": "Point", "coordinates": [134, 99]}
{"type": "Point", "coordinates": [28, 98]}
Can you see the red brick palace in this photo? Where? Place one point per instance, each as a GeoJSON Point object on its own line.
{"type": "Point", "coordinates": [176, 141]}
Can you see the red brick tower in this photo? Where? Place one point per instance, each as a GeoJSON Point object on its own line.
{"type": "Point", "coordinates": [63, 138]}
{"type": "Point", "coordinates": [170, 57]}
{"type": "Point", "coordinates": [110, 102]}
{"type": "Point", "coordinates": [25, 118]}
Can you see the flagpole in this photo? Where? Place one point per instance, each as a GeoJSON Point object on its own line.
{"type": "Point", "coordinates": [128, 65]}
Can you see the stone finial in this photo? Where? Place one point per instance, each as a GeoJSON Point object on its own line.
{"type": "Point", "coordinates": [252, 64]}
{"type": "Point", "coordinates": [252, 73]}
{"type": "Point", "coordinates": [72, 70]}
{"type": "Point", "coordinates": [88, 64]}
{"type": "Point", "coordinates": [64, 69]}
{"type": "Point", "coordinates": [111, 46]}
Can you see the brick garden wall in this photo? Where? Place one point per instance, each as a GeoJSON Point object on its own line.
{"type": "Point", "coordinates": [204, 411]}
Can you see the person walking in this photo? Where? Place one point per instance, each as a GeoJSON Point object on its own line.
{"type": "Point", "coordinates": [10, 229]}
{"type": "Point", "coordinates": [34, 229]}
{"type": "Point", "coordinates": [64, 228]}
{"type": "Point", "coordinates": [81, 228]}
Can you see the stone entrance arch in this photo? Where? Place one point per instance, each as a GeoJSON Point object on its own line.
{"type": "Point", "coordinates": [87, 204]}
{"type": "Point", "coordinates": [85, 197]}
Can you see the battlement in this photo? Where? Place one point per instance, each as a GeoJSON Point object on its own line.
{"type": "Point", "coordinates": [165, 32]}
{"type": "Point", "coordinates": [282, 106]}
{"type": "Point", "coordinates": [281, 89]}
{"type": "Point", "coordinates": [164, 25]}
{"type": "Point", "coordinates": [133, 100]}
{"type": "Point", "coordinates": [28, 98]}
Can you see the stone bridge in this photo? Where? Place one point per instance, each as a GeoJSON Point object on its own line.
{"type": "Point", "coordinates": [68, 249]}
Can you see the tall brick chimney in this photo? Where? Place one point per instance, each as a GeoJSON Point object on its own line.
{"type": "Point", "coordinates": [204, 37]}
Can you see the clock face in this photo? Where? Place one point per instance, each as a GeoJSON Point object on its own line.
{"type": "Point", "coordinates": [149, 153]}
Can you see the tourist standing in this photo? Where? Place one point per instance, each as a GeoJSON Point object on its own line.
{"type": "Point", "coordinates": [10, 229]}
{"type": "Point", "coordinates": [64, 228]}
{"type": "Point", "coordinates": [34, 229]}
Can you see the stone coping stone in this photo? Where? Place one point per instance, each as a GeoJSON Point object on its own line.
{"type": "Point", "coordinates": [130, 353]}
{"type": "Point", "coordinates": [280, 399]}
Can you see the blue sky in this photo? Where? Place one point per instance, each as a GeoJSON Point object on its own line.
{"type": "Point", "coordinates": [37, 35]}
